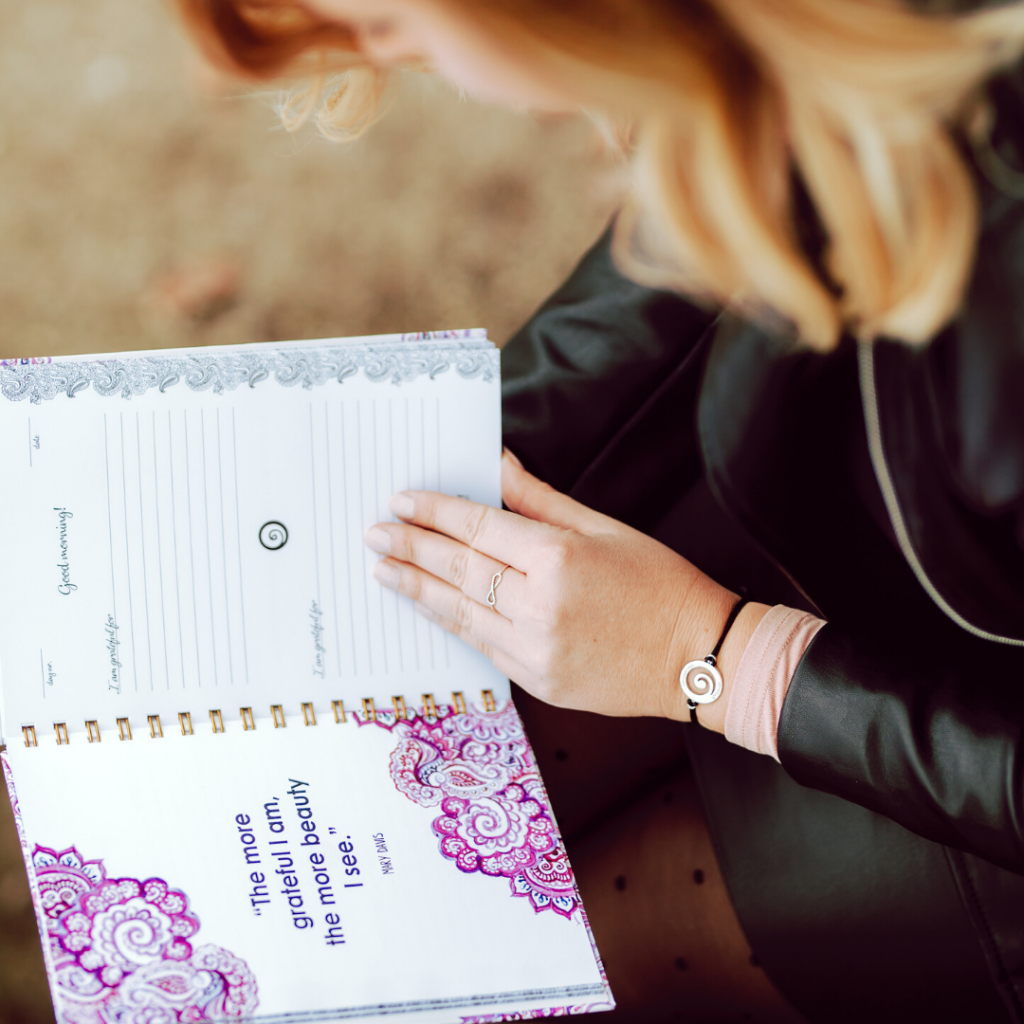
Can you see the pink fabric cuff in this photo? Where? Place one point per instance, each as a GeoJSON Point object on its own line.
{"type": "Point", "coordinates": [762, 679]}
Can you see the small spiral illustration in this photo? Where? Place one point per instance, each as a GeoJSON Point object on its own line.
{"type": "Point", "coordinates": [273, 535]}
{"type": "Point", "coordinates": [701, 682]}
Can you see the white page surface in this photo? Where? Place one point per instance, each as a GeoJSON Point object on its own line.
{"type": "Point", "coordinates": [168, 880]}
{"type": "Point", "coordinates": [149, 496]}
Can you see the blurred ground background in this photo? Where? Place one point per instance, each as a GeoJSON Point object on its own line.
{"type": "Point", "coordinates": [130, 179]}
{"type": "Point", "coordinates": [145, 203]}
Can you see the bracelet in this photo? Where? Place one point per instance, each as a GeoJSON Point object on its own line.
{"type": "Point", "coordinates": [704, 671]}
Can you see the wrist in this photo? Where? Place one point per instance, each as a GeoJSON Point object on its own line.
{"type": "Point", "coordinates": [702, 615]}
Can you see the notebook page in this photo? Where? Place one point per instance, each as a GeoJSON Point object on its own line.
{"type": "Point", "coordinates": [189, 526]}
{"type": "Point", "coordinates": [320, 873]}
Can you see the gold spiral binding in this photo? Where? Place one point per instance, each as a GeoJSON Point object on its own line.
{"type": "Point", "coordinates": [401, 711]}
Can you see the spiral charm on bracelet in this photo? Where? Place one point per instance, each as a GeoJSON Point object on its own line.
{"type": "Point", "coordinates": [701, 681]}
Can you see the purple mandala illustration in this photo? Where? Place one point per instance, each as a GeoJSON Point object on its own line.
{"type": "Point", "coordinates": [477, 768]}
{"type": "Point", "coordinates": [123, 951]}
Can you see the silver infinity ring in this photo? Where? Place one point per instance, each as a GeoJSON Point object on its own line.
{"type": "Point", "coordinates": [492, 598]}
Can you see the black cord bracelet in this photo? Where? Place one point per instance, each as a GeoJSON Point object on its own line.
{"type": "Point", "coordinates": [705, 671]}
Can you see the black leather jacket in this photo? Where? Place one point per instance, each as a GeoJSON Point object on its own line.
{"type": "Point", "coordinates": [888, 484]}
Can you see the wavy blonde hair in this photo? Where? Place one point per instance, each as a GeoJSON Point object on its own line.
{"type": "Point", "coordinates": [733, 106]}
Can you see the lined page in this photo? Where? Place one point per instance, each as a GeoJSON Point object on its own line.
{"type": "Point", "coordinates": [184, 547]}
{"type": "Point", "coordinates": [175, 548]}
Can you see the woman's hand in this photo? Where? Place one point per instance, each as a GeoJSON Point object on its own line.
{"type": "Point", "coordinates": [589, 614]}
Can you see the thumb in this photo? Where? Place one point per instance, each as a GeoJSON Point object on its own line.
{"type": "Point", "coordinates": [524, 494]}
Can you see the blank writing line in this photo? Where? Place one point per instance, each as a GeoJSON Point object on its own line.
{"type": "Point", "coordinates": [110, 529]}
{"type": "Point", "coordinates": [238, 538]}
{"type": "Point", "coordinates": [224, 552]}
{"type": "Point", "coordinates": [312, 476]}
{"type": "Point", "coordinates": [192, 550]}
{"type": "Point", "coordinates": [160, 553]}
{"type": "Point", "coordinates": [345, 534]}
{"type": "Point", "coordinates": [330, 529]}
{"type": "Point", "coordinates": [408, 474]}
{"type": "Point", "coordinates": [127, 557]}
{"type": "Point", "coordinates": [142, 534]}
{"type": "Point", "coordinates": [391, 461]}
{"type": "Point", "coordinates": [376, 506]}
{"type": "Point", "coordinates": [444, 632]}
{"type": "Point", "coordinates": [209, 562]}
{"type": "Point", "coordinates": [362, 506]}
{"type": "Point", "coordinates": [423, 447]}
{"type": "Point", "coordinates": [174, 533]}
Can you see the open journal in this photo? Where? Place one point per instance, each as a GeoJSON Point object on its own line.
{"type": "Point", "coordinates": [250, 784]}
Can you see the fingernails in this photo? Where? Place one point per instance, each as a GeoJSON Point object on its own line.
{"type": "Point", "coordinates": [402, 506]}
{"type": "Point", "coordinates": [378, 540]}
{"type": "Point", "coordinates": [387, 574]}
{"type": "Point", "coordinates": [511, 456]}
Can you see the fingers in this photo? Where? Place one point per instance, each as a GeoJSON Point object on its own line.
{"type": "Point", "coordinates": [503, 536]}
{"type": "Point", "coordinates": [505, 663]}
{"type": "Point", "coordinates": [473, 618]}
{"type": "Point", "coordinates": [454, 563]}
{"type": "Point", "coordinates": [507, 537]}
{"type": "Point", "coordinates": [523, 493]}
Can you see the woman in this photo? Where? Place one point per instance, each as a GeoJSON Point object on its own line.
{"type": "Point", "coordinates": [839, 184]}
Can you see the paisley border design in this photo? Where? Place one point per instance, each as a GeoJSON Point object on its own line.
{"type": "Point", "coordinates": [395, 360]}
{"type": "Point", "coordinates": [87, 922]}
{"type": "Point", "coordinates": [478, 770]}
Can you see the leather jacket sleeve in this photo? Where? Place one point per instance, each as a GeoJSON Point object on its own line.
{"type": "Point", "coordinates": [604, 361]}
{"type": "Point", "coordinates": [920, 725]}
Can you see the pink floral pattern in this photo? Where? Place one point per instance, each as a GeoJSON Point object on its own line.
{"type": "Point", "coordinates": [122, 950]}
{"type": "Point", "coordinates": [477, 768]}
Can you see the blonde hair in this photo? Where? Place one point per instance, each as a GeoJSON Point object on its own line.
{"type": "Point", "coordinates": [734, 106]}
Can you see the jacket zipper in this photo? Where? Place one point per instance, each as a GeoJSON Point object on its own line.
{"type": "Point", "coordinates": [869, 399]}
